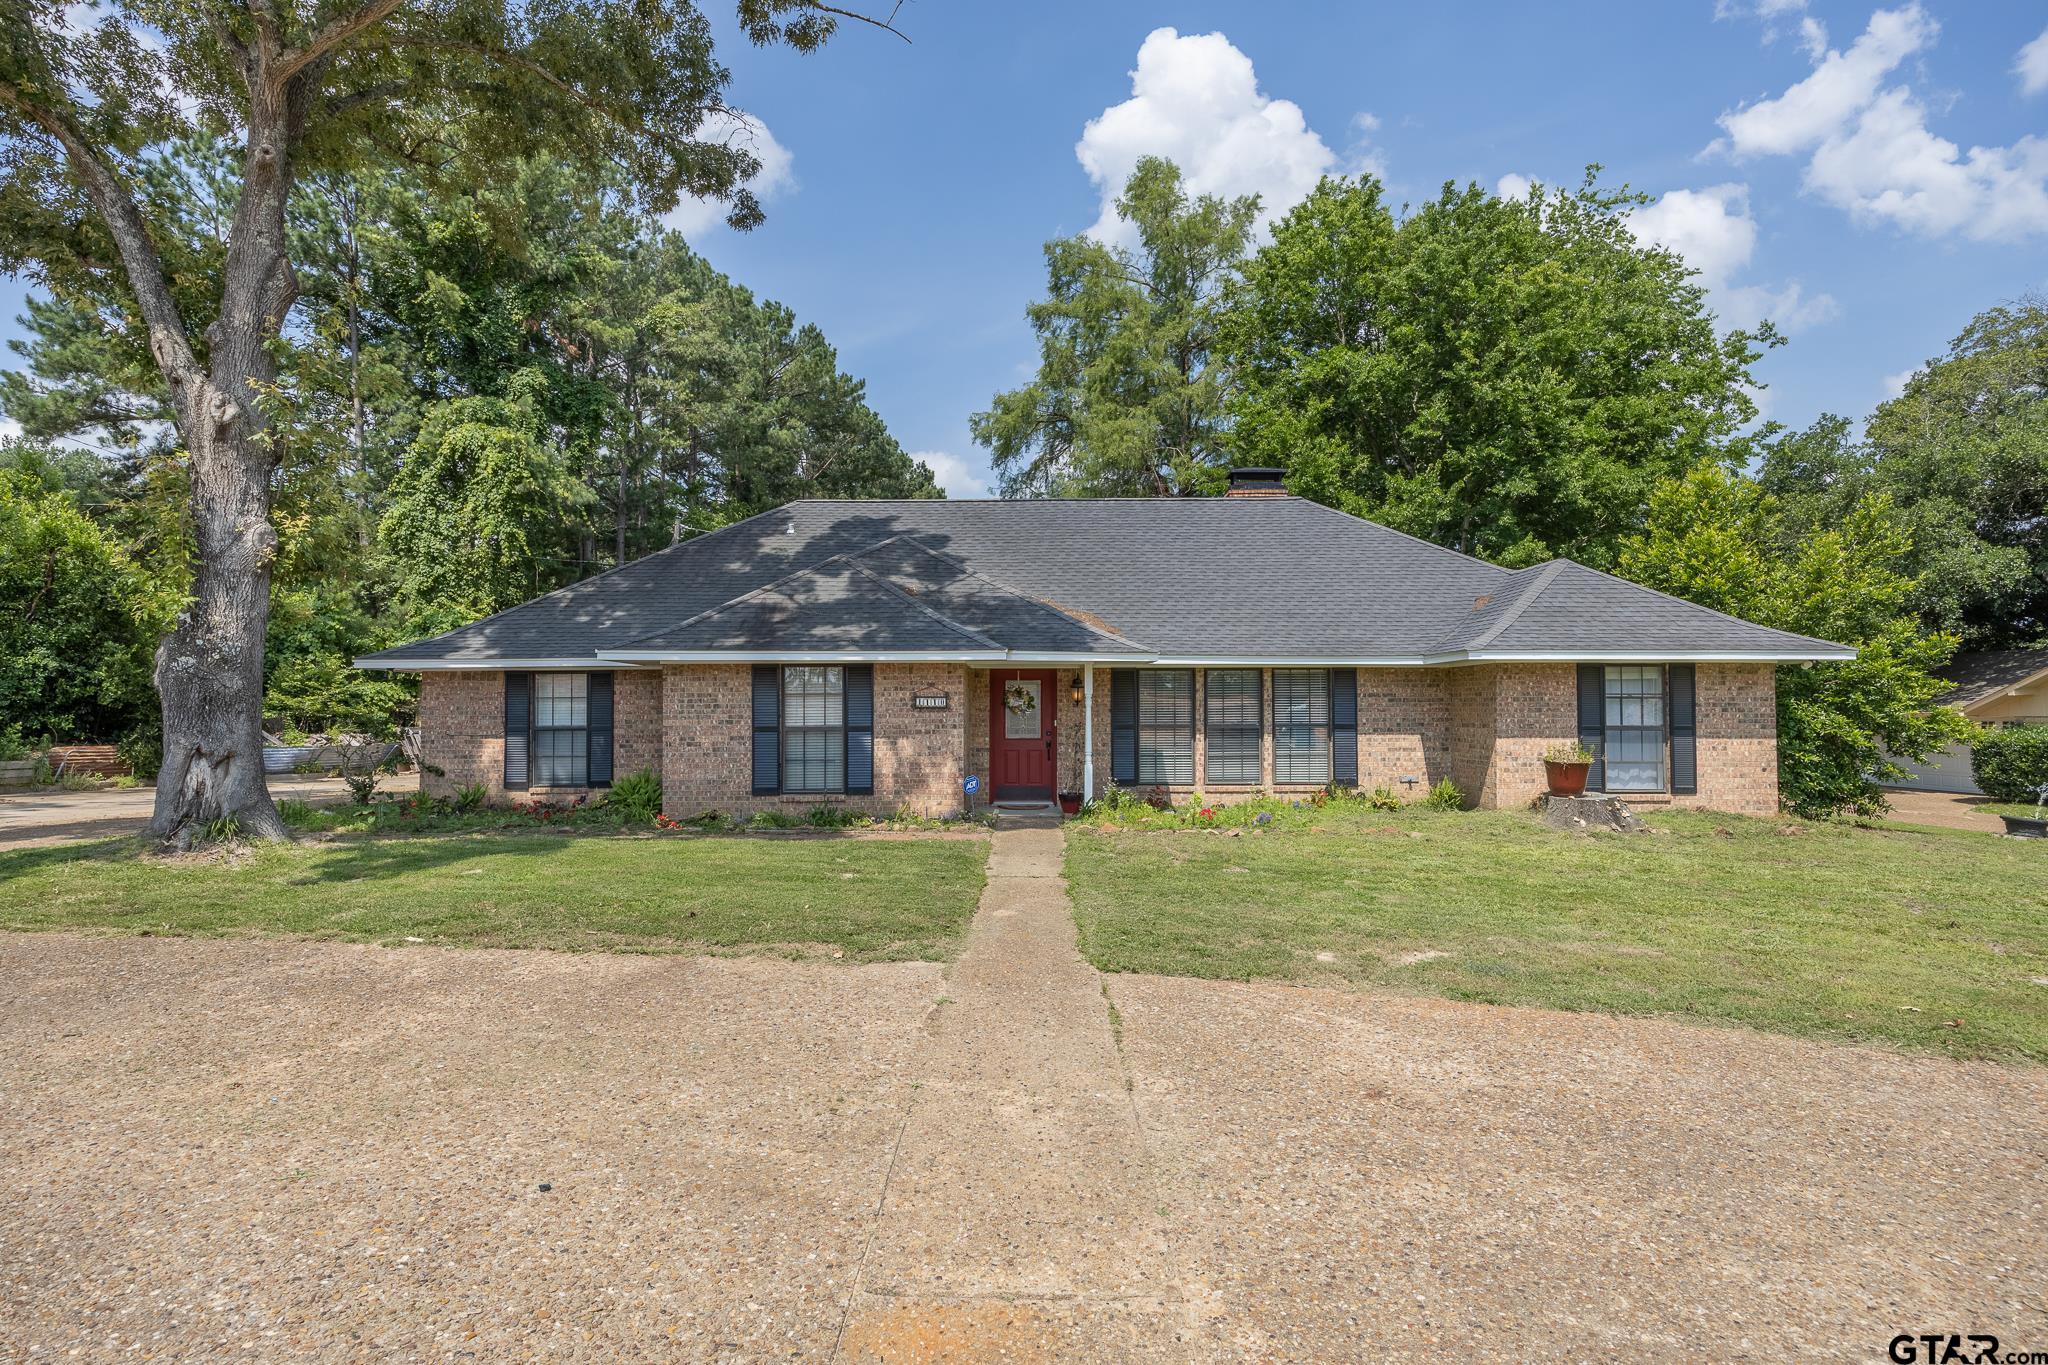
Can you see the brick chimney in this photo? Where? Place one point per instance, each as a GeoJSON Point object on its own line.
{"type": "Point", "coordinates": [1257, 481]}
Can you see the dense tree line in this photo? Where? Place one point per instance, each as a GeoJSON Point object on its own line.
{"type": "Point", "coordinates": [155, 160]}
{"type": "Point", "coordinates": [483, 396]}
{"type": "Point", "coordinates": [1521, 379]}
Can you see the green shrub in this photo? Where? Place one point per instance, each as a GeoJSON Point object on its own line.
{"type": "Point", "coordinates": [296, 814]}
{"type": "Point", "coordinates": [772, 819]}
{"type": "Point", "coordinates": [361, 786]}
{"type": "Point", "coordinates": [831, 817]}
{"type": "Point", "coordinates": [2011, 764]}
{"type": "Point", "coordinates": [13, 748]}
{"type": "Point", "coordinates": [1383, 798]}
{"type": "Point", "coordinates": [637, 797]}
{"type": "Point", "coordinates": [142, 748]}
{"type": "Point", "coordinates": [469, 798]}
{"type": "Point", "coordinates": [1444, 796]}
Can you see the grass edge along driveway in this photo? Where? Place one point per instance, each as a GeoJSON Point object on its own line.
{"type": "Point", "coordinates": [1926, 939]}
{"type": "Point", "coordinates": [874, 900]}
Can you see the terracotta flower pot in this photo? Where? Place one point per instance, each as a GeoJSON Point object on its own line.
{"type": "Point", "coordinates": [1566, 779]}
{"type": "Point", "coordinates": [1070, 803]}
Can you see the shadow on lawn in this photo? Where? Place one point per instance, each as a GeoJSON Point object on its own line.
{"type": "Point", "coordinates": [374, 859]}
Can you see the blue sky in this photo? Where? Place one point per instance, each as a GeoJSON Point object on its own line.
{"type": "Point", "coordinates": [1870, 176]}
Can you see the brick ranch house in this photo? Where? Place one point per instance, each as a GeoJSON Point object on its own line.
{"type": "Point", "coordinates": [935, 656]}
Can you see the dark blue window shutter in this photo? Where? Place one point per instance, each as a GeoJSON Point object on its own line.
{"type": "Point", "coordinates": [518, 731]}
{"type": "Point", "coordinates": [598, 713]}
{"type": "Point", "coordinates": [1685, 744]}
{"type": "Point", "coordinates": [860, 729]}
{"type": "Point", "coordinates": [1123, 726]}
{"type": "Point", "coordinates": [767, 729]}
{"type": "Point", "coordinates": [1593, 721]}
{"type": "Point", "coordinates": [1344, 726]}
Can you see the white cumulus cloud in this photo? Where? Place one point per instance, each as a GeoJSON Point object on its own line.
{"type": "Point", "coordinates": [693, 217]}
{"type": "Point", "coordinates": [2031, 66]}
{"type": "Point", "coordinates": [960, 478]}
{"type": "Point", "coordinates": [1871, 153]}
{"type": "Point", "coordinates": [1513, 185]}
{"type": "Point", "coordinates": [1195, 100]}
{"type": "Point", "coordinates": [1715, 233]}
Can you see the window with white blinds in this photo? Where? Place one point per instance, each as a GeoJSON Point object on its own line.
{"type": "Point", "coordinates": [1166, 727]}
{"type": "Point", "coordinates": [561, 735]}
{"type": "Point", "coordinates": [1301, 725]}
{"type": "Point", "coordinates": [1230, 724]}
{"type": "Point", "coordinates": [1634, 705]}
{"type": "Point", "coordinates": [814, 729]}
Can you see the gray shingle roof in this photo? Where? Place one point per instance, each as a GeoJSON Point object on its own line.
{"type": "Point", "coordinates": [1980, 676]}
{"type": "Point", "coordinates": [1232, 579]}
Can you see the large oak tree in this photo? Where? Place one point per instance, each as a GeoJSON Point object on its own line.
{"type": "Point", "coordinates": [89, 101]}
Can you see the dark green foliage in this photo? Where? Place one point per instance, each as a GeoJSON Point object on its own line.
{"type": "Point", "coordinates": [1963, 453]}
{"type": "Point", "coordinates": [636, 796]}
{"type": "Point", "coordinates": [1126, 401]}
{"type": "Point", "coordinates": [1508, 377]}
{"type": "Point", "coordinates": [2011, 763]}
{"type": "Point", "coordinates": [1719, 540]}
{"type": "Point", "coordinates": [1444, 796]}
{"type": "Point", "coordinates": [78, 621]}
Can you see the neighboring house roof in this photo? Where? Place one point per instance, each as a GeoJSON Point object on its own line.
{"type": "Point", "coordinates": [1271, 579]}
{"type": "Point", "coordinates": [1984, 676]}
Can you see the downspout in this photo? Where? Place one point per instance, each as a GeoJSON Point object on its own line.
{"type": "Point", "coordinates": [1087, 732]}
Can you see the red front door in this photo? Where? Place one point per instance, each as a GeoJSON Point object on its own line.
{"type": "Point", "coordinates": [1021, 743]}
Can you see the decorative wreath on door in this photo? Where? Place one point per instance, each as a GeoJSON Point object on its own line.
{"type": "Point", "coordinates": [1019, 700]}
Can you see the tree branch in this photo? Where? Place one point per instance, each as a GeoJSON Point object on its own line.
{"type": "Point", "coordinates": [887, 25]}
{"type": "Point", "coordinates": [125, 223]}
{"type": "Point", "coordinates": [332, 36]}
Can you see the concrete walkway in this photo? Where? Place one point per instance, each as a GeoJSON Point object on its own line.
{"type": "Point", "coordinates": [1020, 1213]}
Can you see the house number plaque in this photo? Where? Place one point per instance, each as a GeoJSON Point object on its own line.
{"type": "Point", "coordinates": [930, 701]}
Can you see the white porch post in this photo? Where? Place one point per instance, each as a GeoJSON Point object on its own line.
{"type": "Point", "coordinates": [1087, 732]}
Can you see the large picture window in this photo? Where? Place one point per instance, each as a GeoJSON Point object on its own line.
{"type": "Point", "coordinates": [814, 729]}
{"type": "Point", "coordinates": [1166, 727]}
{"type": "Point", "coordinates": [561, 733]}
{"type": "Point", "coordinates": [1634, 704]}
{"type": "Point", "coordinates": [1231, 709]}
{"type": "Point", "coordinates": [1301, 725]}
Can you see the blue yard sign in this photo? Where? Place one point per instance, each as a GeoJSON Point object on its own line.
{"type": "Point", "coordinates": [971, 785]}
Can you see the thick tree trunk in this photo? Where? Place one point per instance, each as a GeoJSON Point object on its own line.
{"type": "Point", "coordinates": [209, 669]}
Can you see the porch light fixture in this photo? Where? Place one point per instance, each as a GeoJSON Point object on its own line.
{"type": "Point", "coordinates": [1075, 691]}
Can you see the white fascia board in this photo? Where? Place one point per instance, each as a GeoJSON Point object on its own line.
{"type": "Point", "coordinates": [790, 656]}
{"type": "Point", "coordinates": [1325, 662]}
{"type": "Point", "coordinates": [1106, 660]}
{"type": "Point", "coordinates": [478, 665]}
{"type": "Point", "coordinates": [1651, 656]}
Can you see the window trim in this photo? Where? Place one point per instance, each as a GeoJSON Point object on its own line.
{"type": "Point", "coordinates": [1141, 729]}
{"type": "Point", "coordinates": [1662, 730]}
{"type": "Point", "coordinates": [1257, 729]}
{"type": "Point", "coordinates": [1328, 729]}
{"type": "Point", "coordinates": [536, 756]}
{"type": "Point", "coordinates": [835, 734]}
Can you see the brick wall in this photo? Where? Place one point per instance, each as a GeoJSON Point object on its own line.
{"type": "Point", "coordinates": [707, 743]}
{"type": "Point", "coordinates": [462, 731]}
{"type": "Point", "coordinates": [1484, 725]}
{"type": "Point", "coordinates": [1504, 716]}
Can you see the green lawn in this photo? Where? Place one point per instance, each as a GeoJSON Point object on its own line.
{"type": "Point", "coordinates": [873, 899]}
{"type": "Point", "coordinates": [1835, 931]}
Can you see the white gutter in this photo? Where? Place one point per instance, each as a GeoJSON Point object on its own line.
{"type": "Point", "coordinates": [474, 665]}
{"type": "Point", "coordinates": [803, 656]}
{"type": "Point", "coordinates": [639, 658]}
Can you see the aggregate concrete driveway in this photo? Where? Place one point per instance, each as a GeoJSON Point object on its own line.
{"type": "Point", "coordinates": [277, 1150]}
{"type": "Point", "coordinates": [51, 815]}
